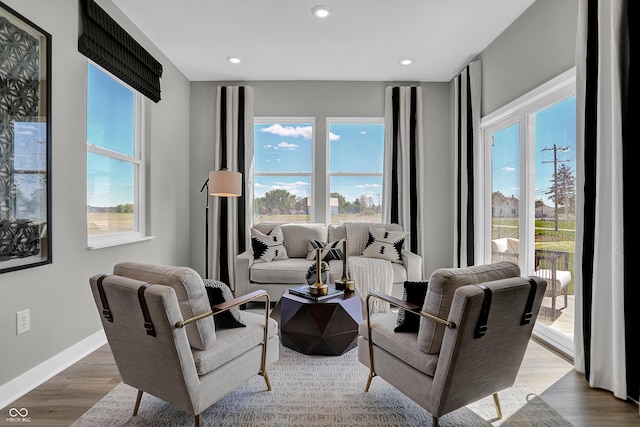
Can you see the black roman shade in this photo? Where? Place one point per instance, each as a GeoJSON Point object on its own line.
{"type": "Point", "coordinates": [109, 45]}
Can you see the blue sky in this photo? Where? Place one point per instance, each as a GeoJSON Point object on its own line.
{"type": "Point", "coordinates": [553, 125]}
{"type": "Point", "coordinates": [288, 147]}
{"type": "Point", "coordinates": [110, 125]}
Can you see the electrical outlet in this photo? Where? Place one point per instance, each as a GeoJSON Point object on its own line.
{"type": "Point", "coordinates": [23, 321]}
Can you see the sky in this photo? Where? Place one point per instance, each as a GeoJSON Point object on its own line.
{"type": "Point", "coordinates": [555, 125]}
{"type": "Point", "coordinates": [288, 147]}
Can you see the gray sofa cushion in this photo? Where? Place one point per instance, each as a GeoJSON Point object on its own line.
{"type": "Point", "coordinates": [286, 271]}
{"type": "Point", "coordinates": [442, 285]}
{"type": "Point", "coordinates": [190, 290]}
{"type": "Point", "coordinates": [296, 236]}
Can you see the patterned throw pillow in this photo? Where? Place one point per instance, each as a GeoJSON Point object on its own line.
{"type": "Point", "coordinates": [414, 293]}
{"type": "Point", "coordinates": [268, 247]}
{"type": "Point", "coordinates": [330, 251]}
{"type": "Point", "coordinates": [385, 244]}
{"type": "Point", "coordinates": [218, 293]}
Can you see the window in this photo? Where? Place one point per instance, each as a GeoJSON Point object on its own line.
{"type": "Point", "coordinates": [115, 167]}
{"type": "Point", "coordinates": [530, 146]}
{"type": "Point", "coordinates": [283, 169]}
{"type": "Point", "coordinates": [356, 160]}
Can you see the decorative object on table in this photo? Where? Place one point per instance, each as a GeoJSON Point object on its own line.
{"type": "Point", "coordinates": [303, 291]}
{"type": "Point", "coordinates": [345, 283]}
{"type": "Point", "coordinates": [221, 183]}
{"type": "Point", "coordinates": [319, 288]}
{"type": "Point", "coordinates": [25, 137]}
{"type": "Point", "coordinates": [310, 276]}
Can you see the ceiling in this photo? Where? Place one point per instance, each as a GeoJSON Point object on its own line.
{"type": "Point", "coordinates": [362, 40]}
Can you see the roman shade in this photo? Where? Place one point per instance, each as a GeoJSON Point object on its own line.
{"type": "Point", "coordinates": [109, 45]}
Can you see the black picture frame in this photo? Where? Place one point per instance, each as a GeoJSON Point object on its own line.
{"type": "Point", "coordinates": [25, 143]}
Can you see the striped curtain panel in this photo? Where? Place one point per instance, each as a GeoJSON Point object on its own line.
{"type": "Point", "coordinates": [234, 151]}
{"type": "Point", "coordinates": [607, 293]}
{"type": "Point", "coordinates": [402, 191]}
{"type": "Point", "coordinates": [468, 183]}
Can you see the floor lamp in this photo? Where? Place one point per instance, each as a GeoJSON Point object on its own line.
{"type": "Point", "coordinates": [221, 183]}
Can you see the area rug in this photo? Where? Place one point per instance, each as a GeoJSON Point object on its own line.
{"type": "Point", "coordinates": [319, 391]}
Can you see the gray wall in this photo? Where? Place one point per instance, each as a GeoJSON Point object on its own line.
{"type": "Point", "coordinates": [537, 47]}
{"type": "Point", "coordinates": [62, 310]}
{"type": "Point", "coordinates": [321, 99]}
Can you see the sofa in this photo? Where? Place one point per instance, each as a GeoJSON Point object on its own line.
{"type": "Point", "coordinates": [288, 269]}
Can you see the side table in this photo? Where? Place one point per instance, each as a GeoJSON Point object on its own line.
{"type": "Point", "coordinates": [328, 327]}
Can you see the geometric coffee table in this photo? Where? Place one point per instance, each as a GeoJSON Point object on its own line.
{"type": "Point", "coordinates": [328, 327]}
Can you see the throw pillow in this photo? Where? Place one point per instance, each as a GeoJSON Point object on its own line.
{"type": "Point", "coordinates": [330, 251]}
{"type": "Point", "coordinates": [268, 247]}
{"type": "Point", "coordinates": [218, 293]}
{"type": "Point", "coordinates": [385, 244]}
{"type": "Point", "coordinates": [414, 293]}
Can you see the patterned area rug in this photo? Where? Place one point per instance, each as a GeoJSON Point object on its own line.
{"type": "Point", "coordinates": [319, 391]}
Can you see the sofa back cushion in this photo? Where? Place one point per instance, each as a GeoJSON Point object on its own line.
{"type": "Point", "coordinates": [442, 286]}
{"type": "Point", "coordinates": [190, 290]}
{"type": "Point", "coordinates": [297, 235]}
{"type": "Point", "coordinates": [361, 229]}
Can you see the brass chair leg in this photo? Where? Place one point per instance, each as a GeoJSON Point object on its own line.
{"type": "Point", "coordinates": [435, 423]}
{"type": "Point", "coordinates": [497, 403]}
{"type": "Point", "coordinates": [266, 379]}
{"type": "Point", "coordinates": [197, 420]}
{"type": "Point", "coordinates": [371, 375]}
{"type": "Point", "coordinates": [138, 399]}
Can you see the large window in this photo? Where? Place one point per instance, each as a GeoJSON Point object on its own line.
{"type": "Point", "coordinates": [530, 147]}
{"type": "Point", "coordinates": [344, 173]}
{"type": "Point", "coordinates": [115, 209]}
{"type": "Point", "coordinates": [356, 159]}
{"type": "Point", "coordinates": [283, 169]}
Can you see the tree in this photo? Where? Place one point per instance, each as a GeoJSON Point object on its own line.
{"type": "Point", "coordinates": [563, 189]}
{"type": "Point", "coordinates": [279, 201]}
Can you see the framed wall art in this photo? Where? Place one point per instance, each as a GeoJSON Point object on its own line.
{"type": "Point", "coordinates": [25, 142]}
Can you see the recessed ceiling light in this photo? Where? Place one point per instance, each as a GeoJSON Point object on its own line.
{"type": "Point", "coordinates": [406, 61]}
{"type": "Point", "coordinates": [320, 11]}
{"type": "Point", "coordinates": [233, 59]}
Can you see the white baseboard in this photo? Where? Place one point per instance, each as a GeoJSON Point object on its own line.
{"type": "Point", "coordinates": [31, 379]}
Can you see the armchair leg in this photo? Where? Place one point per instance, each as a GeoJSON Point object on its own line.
{"type": "Point", "coordinates": [371, 375]}
{"type": "Point", "coordinates": [266, 379]}
{"type": "Point", "coordinates": [138, 399]}
{"type": "Point", "coordinates": [496, 402]}
{"type": "Point", "coordinates": [197, 421]}
{"type": "Point", "coordinates": [435, 420]}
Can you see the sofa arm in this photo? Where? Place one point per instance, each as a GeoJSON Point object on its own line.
{"type": "Point", "coordinates": [413, 263]}
{"type": "Point", "coordinates": [243, 264]}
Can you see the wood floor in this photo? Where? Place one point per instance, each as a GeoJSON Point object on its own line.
{"type": "Point", "coordinates": [65, 397]}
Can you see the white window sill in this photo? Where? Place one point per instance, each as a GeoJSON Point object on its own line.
{"type": "Point", "coordinates": [118, 242]}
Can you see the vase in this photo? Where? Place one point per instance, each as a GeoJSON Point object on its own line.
{"type": "Point", "coordinates": [312, 279]}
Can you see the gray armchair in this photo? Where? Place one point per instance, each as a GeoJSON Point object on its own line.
{"type": "Point", "coordinates": [162, 332]}
{"type": "Point", "coordinates": [474, 328]}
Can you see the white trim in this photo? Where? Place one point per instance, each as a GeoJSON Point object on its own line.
{"type": "Point", "coordinates": [555, 339]}
{"type": "Point", "coordinates": [34, 377]}
{"type": "Point", "coordinates": [117, 240]}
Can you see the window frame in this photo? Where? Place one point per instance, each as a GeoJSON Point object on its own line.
{"type": "Point", "coordinates": [138, 160]}
{"type": "Point", "coordinates": [311, 175]}
{"type": "Point", "coordinates": [522, 111]}
{"type": "Point", "coordinates": [329, 174]}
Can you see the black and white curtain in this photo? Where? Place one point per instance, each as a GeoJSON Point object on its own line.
{"type": "Point", "coordinates": [402, 191]}
{"type": "Point", "coordinates": [233, 151]}
{"type": "Point", "coordinates": [607, 293]}
{"type": "Point", "coordinates": [468, 184]}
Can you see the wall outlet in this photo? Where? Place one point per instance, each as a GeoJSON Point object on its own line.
{"type": "Point", "coordinates": [23, 321]}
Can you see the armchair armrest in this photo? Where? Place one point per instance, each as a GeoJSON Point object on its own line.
{"type": "Point", "coordinates": [413, 263]}
{"type": "Point", "coordinates": [243, 266]}
{"type": "Point", "coordinates": [408, 307]}
{"type": "Point", "coordinates": [224, 306]}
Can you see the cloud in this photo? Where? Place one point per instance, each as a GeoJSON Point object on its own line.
{"type": "Point", "coordinates": [334, 136]}
{"type": "Point", "coordinates": [288, 146]}
{"type": "Point", "coordinates": [368, 186]}
{"type": "Point", "coordinates": [305, 132]}
{"type": "Point", "coordinates": [508, 169]}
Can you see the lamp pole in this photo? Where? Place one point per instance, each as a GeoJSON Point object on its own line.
{"type": "Point", "coordinates": [206, 229]}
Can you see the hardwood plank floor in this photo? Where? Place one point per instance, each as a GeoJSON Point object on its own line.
{"type": "Point", "coordinates": [64, 398]}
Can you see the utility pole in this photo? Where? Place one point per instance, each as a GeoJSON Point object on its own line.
{"type": "Point", "coordinates": [555, 150]}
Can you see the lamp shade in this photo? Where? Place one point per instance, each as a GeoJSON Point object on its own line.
{"type": "Point", "coordinates": [225, 183]}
